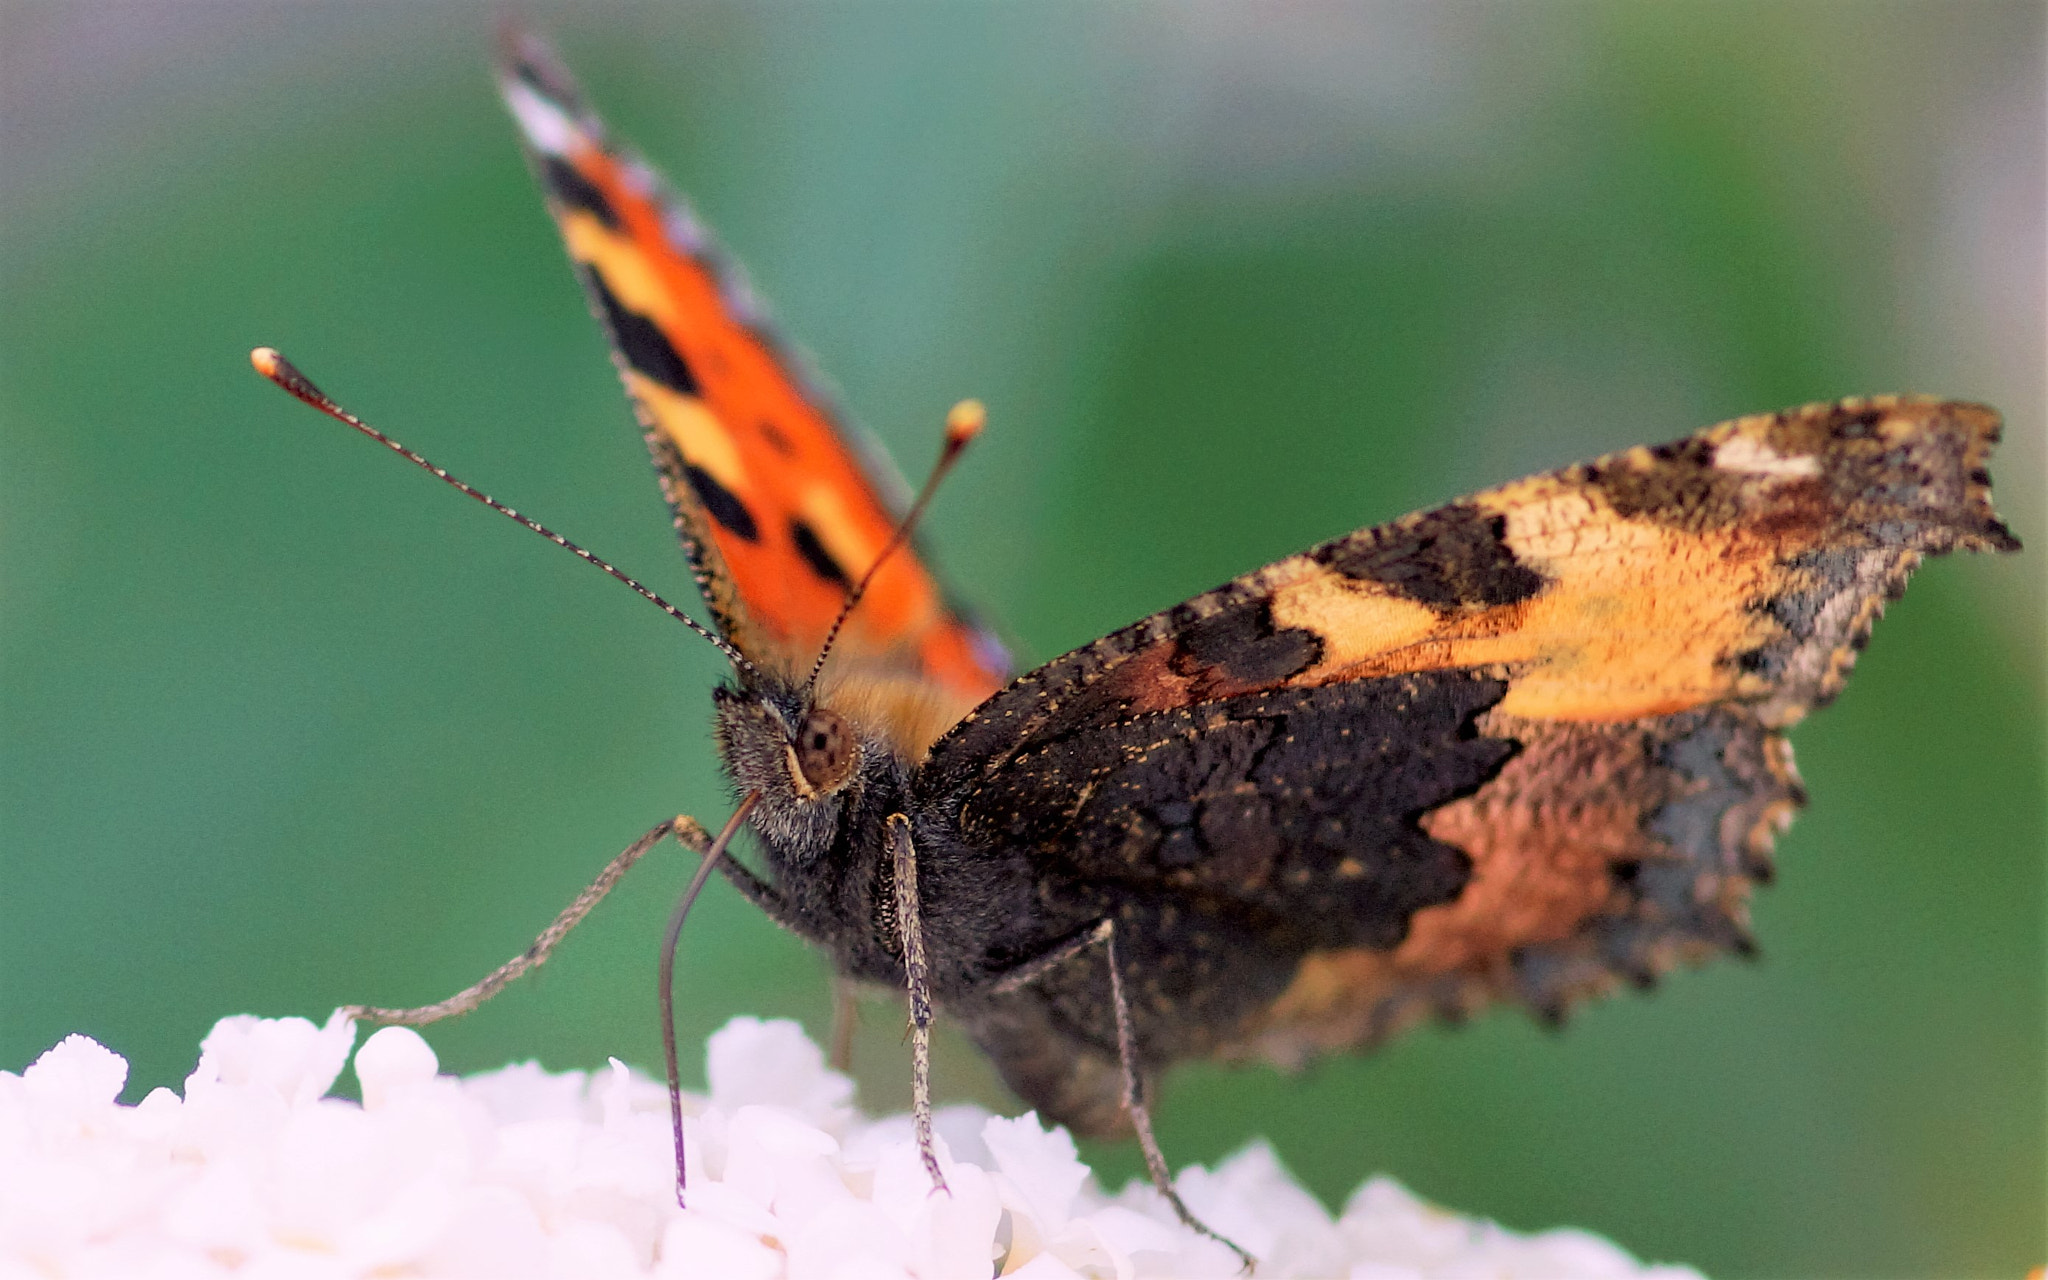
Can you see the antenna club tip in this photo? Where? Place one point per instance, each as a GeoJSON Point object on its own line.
{"type": "Point", "coordinates": [271, 363]}
{"type": "Point", "coordinates": [965, 422]}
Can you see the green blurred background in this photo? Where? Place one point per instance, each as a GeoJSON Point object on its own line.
{"type": "Point", "coordinates": [288, 725]}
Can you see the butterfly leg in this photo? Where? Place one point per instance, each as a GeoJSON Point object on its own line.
{"type": "Point", "coordinates": [692, 836]}
{"type": "Point", "coordinates": [685, 830]}
{"type": "Point", "coordinates": [845, 1014]}
{"type": "Point", "coordinates": [1141, 1114]}
{"type": "Point", "coordinates": [1103, 933]}
{"type": "Point", "coordinates": [1023, 975]}
{"type": "Point", "coordinates": [917, 976]}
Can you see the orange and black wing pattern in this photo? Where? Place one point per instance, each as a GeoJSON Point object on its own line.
{"type": "Point", "coordinates": [777, 511]}
{"type": "Point", "coordinates": [1526, 746]}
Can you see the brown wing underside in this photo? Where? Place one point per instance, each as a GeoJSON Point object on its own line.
{"type": "Point", "coordinates": [1657, 618]}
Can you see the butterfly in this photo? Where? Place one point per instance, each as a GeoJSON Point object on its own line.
{"type": "Point", "coordinates": [1523, 748]}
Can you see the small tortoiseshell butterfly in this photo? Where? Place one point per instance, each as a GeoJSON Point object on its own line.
{"type": "Point", "coordinates": [1524, 747]}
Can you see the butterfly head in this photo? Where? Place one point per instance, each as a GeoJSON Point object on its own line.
{"type": "Point", "coordinates": [805, 759]}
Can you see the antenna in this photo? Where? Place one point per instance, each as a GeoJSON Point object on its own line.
{"type": "Point", "coordinates": [286, 375]}
{"type": "Point", "coordinates": [963, 423]}
{"type": "Point", "coordinates": [666, 978]}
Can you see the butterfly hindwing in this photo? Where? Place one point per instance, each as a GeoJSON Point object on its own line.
{"type": "Point", "coordinates": [1524, 746]}
{"type": "Point", "coordinates": [777, 511]}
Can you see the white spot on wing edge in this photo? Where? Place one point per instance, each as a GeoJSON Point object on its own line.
{"type": "Point", "coordinates": [1752, 456]}
{"type": "Point", "coordinates": [683, 229]}
{"type": "Point", "coordinates": [548, 128]}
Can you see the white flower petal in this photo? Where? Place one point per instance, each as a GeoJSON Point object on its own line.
{"type": "Point", "coordinates": [524, 1091]}
{"type": "Point", "coordinates": [724, 1203]}
{"type": "Point", "coordinates": [1039, 1164]}
{"type": "Point", "coordinates": [492, 1235]}
{"type": "Point", "coordinates": [1043, 1267]}
{"type": "Point", "coordinates": [220, 1213]}
{"type": "Point", "coordinates": [699, 1247]}
{"type": "Point", "coordinates": [952, 1232]}
{"type": "Point", "coordinates": [1253, 1201]}
{"type": "Point", "coordinates": [781, 1162]}
{"type": "Point", "coordinates": [852, 1238]}
{"type": "Point", "coordinates": [1114, 1236]}
{"type": "Point", "coordinates": [391, 1063]}
{"type": "Point", "coordinates": [751, 1061]}
{"type": "Point", "coordinates": [289, 1056]}
{"type": "Point", "coordinates": [594, 1251]}
{"type": "Point", "coordinates": [76, 1076]}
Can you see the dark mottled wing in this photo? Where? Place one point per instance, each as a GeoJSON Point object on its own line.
{"type": "Point", "coordinates": [1523, 746]}
{"type": "Point", "coordinates": [777, 509]}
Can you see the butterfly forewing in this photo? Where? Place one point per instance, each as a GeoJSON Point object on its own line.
{"type": "Point", "coordinates": [777, 512]}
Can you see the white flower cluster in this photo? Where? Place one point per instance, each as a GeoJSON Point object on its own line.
{"type": "Point", "coordinates": [520, 1173]}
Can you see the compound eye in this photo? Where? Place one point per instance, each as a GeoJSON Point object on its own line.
{"type": "Point", "coordinates": [824, 751]}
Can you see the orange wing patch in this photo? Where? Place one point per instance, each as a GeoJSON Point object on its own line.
{"type": "Point", "coordinates": [1743, 563]}
{"type": "Point", "coordinates": [1598, 856]}
{"type": "Point", "coordinates": [1635, 619]}
{"type": "Point", "coordinates": [778, 515]}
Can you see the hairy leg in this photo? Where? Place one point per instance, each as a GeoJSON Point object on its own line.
{"type": "Point", "coordinates": [917, 975]}
{"type": "Point", "coordinates": [1023, 975]}
{"type": "Point", "coordinates": [1103, 933]}
{"type": "Point", "coordinates": [845, 1015]}
{"type": "Point", "coordinates": [1141, 1114]}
